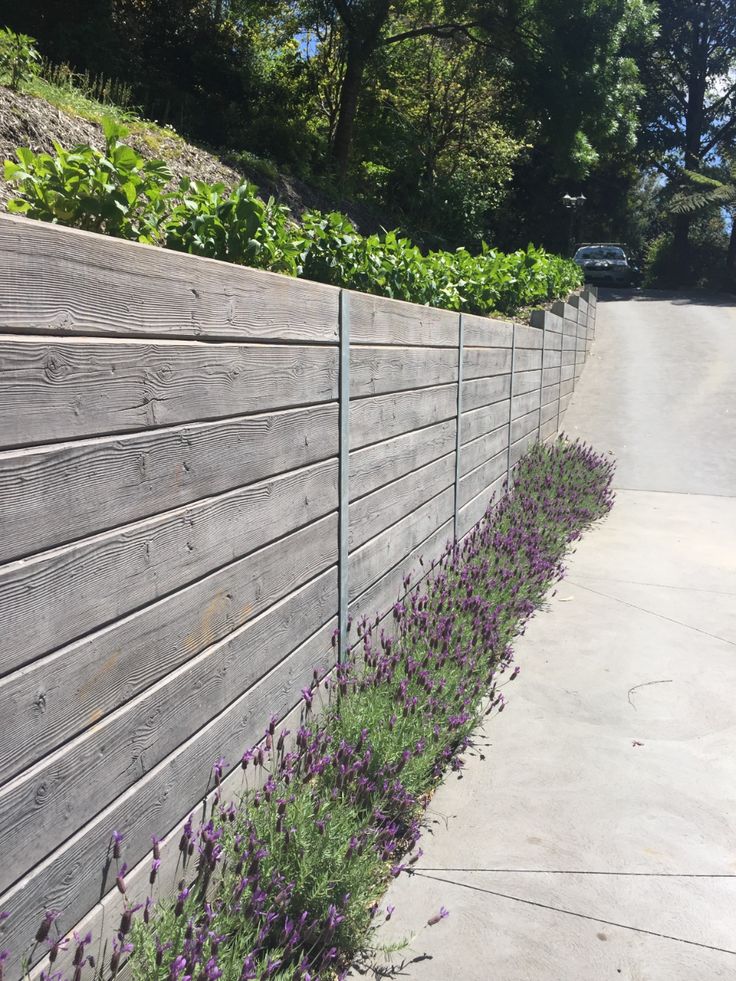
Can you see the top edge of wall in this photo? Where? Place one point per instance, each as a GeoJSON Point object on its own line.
{"type": "Point", "coordinates": [69, 282]}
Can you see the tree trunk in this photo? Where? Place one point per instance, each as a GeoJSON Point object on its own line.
{"type": "Point", "coordinates": [349, 94]}
{"type": "Point", "coordinates": [694, 125]}
{"type": "Point", "coordinates": [731, 254]}
{"type": "Point", "coordinates": [362, 25]}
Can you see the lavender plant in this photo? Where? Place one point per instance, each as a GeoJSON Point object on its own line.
{"type": "Point", "coordinates": [285, 883]}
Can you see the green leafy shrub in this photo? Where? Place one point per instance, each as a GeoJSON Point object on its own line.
{"type": "Point", "coordinates": [392, 266]}
{"type": "Point", "coordinates": [706, 266]}
{"type": "Point", "coordinates": [114, 191]}
{"type": "Point", "coordinates": [119, 193]}
{"type": "Point", "coordinates": [253, 164]}
{"type": "Point", "coordinates": [236, 227]}
{"type": "Point", "coordinates": [19, 59]}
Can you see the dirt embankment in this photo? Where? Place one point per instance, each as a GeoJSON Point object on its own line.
{"type": "Point", "coordinates": [28, 121]}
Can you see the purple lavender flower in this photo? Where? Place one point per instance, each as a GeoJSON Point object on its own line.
{"type": "Point", "coordinates": [433, 920]}
{"type": "Point", "coordinates": [49, 918]}
{"type": "Point", "coordinates": [117, 840]}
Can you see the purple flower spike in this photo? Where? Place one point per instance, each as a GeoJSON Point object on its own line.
{"type": "Point", "coordinates": [433, 920]}
{"type": "Point", "coordinates": [117, 840]}
{"type": "Point", "coordinates": [49, 918]}
{"type": "Point", "coordinates": [120, 880]}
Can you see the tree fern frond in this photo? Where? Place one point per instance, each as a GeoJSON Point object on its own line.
{"type": "Point", "coordinates": [702, 179]}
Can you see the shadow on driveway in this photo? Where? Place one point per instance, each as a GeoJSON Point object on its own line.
{"type": "Point", "coordinates": [691, 298]}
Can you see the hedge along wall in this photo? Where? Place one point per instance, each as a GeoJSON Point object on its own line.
{"type": "Point", "coordinates": [192, 505]}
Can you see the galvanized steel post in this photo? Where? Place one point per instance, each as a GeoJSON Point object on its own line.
{"type": "Point", "coordinates": [511, 404]}
{"type": "Point", "coordinates": [458, 425]}
{"type": "Point", "coordinates": [343, 479]}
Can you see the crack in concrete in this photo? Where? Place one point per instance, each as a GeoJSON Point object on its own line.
{"type": "Point", "coordinates": [645, 875]}
{"type": "Point", "coordinates": [652, 613]}
{"type": "Point", "coordinates": [662, 585]}
{"type": "Point", "coordinates": [581, 916]}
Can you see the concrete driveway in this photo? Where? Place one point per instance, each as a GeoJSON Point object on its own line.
{"type": "Point", "coordinates": [597, 839]}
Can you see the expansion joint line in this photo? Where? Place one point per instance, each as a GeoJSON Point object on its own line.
{"type": "Point", "coordinates": [580, 916]}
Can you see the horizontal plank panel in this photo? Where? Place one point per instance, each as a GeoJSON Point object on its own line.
{"type": "Point", "coordinates": [385, 416]}
{"type": "Point", "coordinates": [380, 320]}
{"type": "Point", "coordinates": [527, 360]}
{"type": "Point", "coordinates": [482, 477]}
{"type": "Point", "coordinates": [52, 700]}
{"type": "Point", "coordinates": [522, 404]}
{"type": "Point", "coordinates": [552, 359]}
{"type": "Point", "coordinates": [524, 424]}
{"type": "Point", "coordinates": [370, 562]}
{"type": "Point", "coordinates": [566, 387]}
{"type": "Point", "coordinates": [60, 793]}
{"type": "Point", "coordinates": [74, 877]}
{"type": "Point", "coordinates": [482, 449]}
{"type": "Point", "coordinates": [378, 370]}
{"type": "Point", "coordinates": [548, 429]}
{"type": "Point", "coordinates": [550, 376]}
{"type": "Point", "coordinates": [526, 381]}
{"type": "Point", "coordinates": [522, 446]}
{"type": "Point", "coordinates": [527, 337]}
{"type": "Point", "coordinates": [482, 362]}
{"type": "Point", "coordinates": [568, 358]}
{"type": "Point", "coordinates": [379, 599]}
{"type": "Point", "coordinates": [486, 331]}
{"type": "Point", "coordinates": [485, 391]}
{"type": "Point", "coordinates": [474, 510]}
{"type": "Point", "coordinates": [550, 394]}
{"type": "Point", "coordinates": [53, 598]}
{"type": "Point", "coordinates": [478, 422]}
{"type": "Point", "coordinates": [55, 494]}
{"type": "Point", "coordinates": [372, 514]}
{"type": "Point", "coordinates": [548, 412]}
{"type": "Point", "coordinates": [60, 280]}
{"type": "Point", "coordinates": [63, 389]}
{"type": "Point", "coordinates": [569, 342]}
{"type": "Point", "coordinates": [379, 464]}
{"type": "Point", "coordinates": [569, 328]}
{"type": "Point", "coordinates": [564, 310]}
{"type": "Point", "coordinates": [567, 371]}
{"type": "Point", "coordinates": [545, 319]}
{"type": "Point", "coordinates": [553, 342]}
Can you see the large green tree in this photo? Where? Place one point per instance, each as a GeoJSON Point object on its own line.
{"type": "Point", "coordinates": [689, 105]}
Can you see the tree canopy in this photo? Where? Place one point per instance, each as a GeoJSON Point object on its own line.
{"type": "Point", "coordinates": [461, 120]}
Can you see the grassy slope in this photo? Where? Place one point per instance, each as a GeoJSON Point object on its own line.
{"type": "Point", "coordinates": [44, 113]}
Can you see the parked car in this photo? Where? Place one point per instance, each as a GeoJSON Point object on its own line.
{"type": "Point", "coordinates": [606, 263]}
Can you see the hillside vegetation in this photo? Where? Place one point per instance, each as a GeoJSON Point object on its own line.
{"type": "Point", "coordinates": [458, 121]}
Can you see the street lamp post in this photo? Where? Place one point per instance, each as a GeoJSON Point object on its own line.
{"type": "Point", "coordinates": [574, 205]}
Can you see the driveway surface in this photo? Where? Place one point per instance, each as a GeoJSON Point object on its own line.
{"type": "Point", "coordinates": [597, 839]}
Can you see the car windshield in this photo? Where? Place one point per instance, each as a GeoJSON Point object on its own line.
{"type": "Point", "coordinates": [599, 252]}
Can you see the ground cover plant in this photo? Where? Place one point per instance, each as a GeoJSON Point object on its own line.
{"type": "Point", "coordinates": [285, 882]}
{"type": "Point", "coordinates": [116, 192]}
